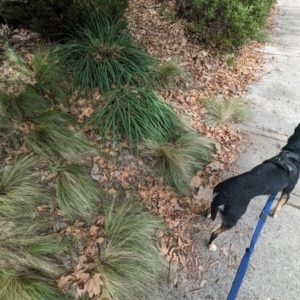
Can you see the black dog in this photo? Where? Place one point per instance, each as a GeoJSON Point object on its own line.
{"type": "Point", "coordinates": [232, 196]}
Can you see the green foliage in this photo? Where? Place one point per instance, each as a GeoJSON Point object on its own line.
{"type": "Point", "coordinates": [26, 104]}
{"type": "Point", "coordinates": [77, 194]}
{"type": "Point", "coordinates": [227, 23]}
{"type": "Point", "coordinates": [166, 73]}
{"type": "Point", "coordinates": [129, 263]}
{"type": "Point", "coordinates": [54, 118]}
{"type": "Point", "coordinates": [179, 160]}
{"type": "Point", "coordinates": [103, 55]}
{"type": "Point", "coordinates": [136, 114]}
{"type": "Point", "coordinates": [55, 143]}
{"type": "Point", "coordinates": [220, 111]}
{"type": "Point", "coordinates": [26, 286]}
{"type": "Point", "coordinates": [56, 18]}
{"type": "Point", "coordinates": [19, 192]}
{"type": "Point", "coordinates": [43, 73]}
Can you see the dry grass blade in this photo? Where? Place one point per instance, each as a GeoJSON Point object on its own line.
{"type": "Point", "coordinates": [130, 264]}
{"type": "Point", "coordinates": [178, 161]}
{"type": "Point", "coordinates": [220, 112]}
{"type": "Point", "coordinates": [78, 195]}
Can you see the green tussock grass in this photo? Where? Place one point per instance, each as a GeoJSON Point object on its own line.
{"type": "Point", "coordinates": [77, 193]}
{"type": "Point", "coordinates": [43, 72]}
{"type": "Point", "coordinates": [136, 114]}
{"type": "Point", "coordinates": [55, 143]}
{"type": "Point", "coordinates": [27, 286]}
{"type": "Point", "coordinates": [225, 111]}
{"type": "Point", "coordinates": [102, 55]}
{"type": "Point", "coordinates": [166, 73]}
{"type": "Point", "coordinates": [130, 265]}
{"type": "Point", "coordinates": [20, 193]}
{"type": "Point", "coordinates": [27, 245]}
{"type": "Point", "coordinates": [178, 161]}
{"type": "Point", "coordinates": [54, 118]}
{"type": "Point", "coordinates": [26, 104]}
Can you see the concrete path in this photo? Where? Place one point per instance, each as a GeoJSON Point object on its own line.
{"type": "Point", "coordinates": [274, 269]}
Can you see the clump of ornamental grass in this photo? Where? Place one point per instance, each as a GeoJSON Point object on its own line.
{"type": "Point", "coordinates": [225, 111]}
{"type": "Point", "coordinates": [77, 193]}
{"type": "Point", "coordinates": [166, 73]}
{"type": "Point", "coordinates": [27, 286]}
{"type": "Point", "coordinates": [136, 114]}
{"type": "Point", "coordinates": [179, 160]}
{"type": "Point", "coordinates": [101, 54]}
{"type": "Point", "coordinates": [129, 262]}
{"type": "Point", "coordinates": [54, 118]}
{"type": "Point", "coordinates": [57, 142]}
{"type": "Point", "coordinates": [20, 193]}
{"type": "Point", "coordinates": [26, 245]}
{"type": "Point", "coordinates": [43, 72]}
{"type": "Point", "coordinates": [26, 104]}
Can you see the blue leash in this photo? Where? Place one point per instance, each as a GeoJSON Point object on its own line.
{"type": "Point", "coordinates": [246, 258]}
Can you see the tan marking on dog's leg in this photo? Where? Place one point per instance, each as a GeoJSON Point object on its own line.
{"type": "Point", "coordinates": [281, 202]}
{"type": "Point", "coordinates": [211, 246]}
{"type": "Point", "coordinates": [208, 213]}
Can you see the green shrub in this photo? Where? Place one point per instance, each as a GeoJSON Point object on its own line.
{"type": "Point", "coordinates": [129, 262]}
{"type": "Point", "coordinates": [101, 54]}
{"type": "Point", "coordinates": [136, 114]}
{"type": "Point", "coordinates": [228, 23]}
{"type": "Point", "coordinates": [56, 18]}
{"type": "Point", "coordinates": [179, 160]}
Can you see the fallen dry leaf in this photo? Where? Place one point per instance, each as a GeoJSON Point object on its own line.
{"type": "Point", "coordinates": [65, 282]}
{"type": "Point", "coordinates": [93, 286]}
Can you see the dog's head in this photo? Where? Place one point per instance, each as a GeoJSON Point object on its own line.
{"type": "Point", "coordinates": [293, 143]}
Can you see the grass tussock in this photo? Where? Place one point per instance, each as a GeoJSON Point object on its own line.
{"type": "Point", "coordinates": [225, 111]}
{"type": "Point", "coordinates": [19, 192]}
{"type": "Point", "coordinates": [55, 143]}
{"type": "Point", "coordinates": [26, 104]}
{"type": "Point", "coordinates": [27, 286]}
{"type": "Point", "coordinates": [167, 73]}
{"type": "Point", "coordinates": [77, 193]}
{"type": "Point", "coordinates": [102, 55]}
{"type": "Point", "coordinates": [178, 161]}
{"type": "Point", "coordinates": [130, 265]}
{"type": "Point", "coordinates": [28, 245]}
{"type": "Point", "coordinates": [54, 118]}
{"type": "Point", "coordinates": [42, 72]}
{"type": "Point", "coordinates": [136, 114]}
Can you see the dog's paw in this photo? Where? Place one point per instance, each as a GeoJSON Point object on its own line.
{"type": "Point", "coordinates": [212, 247]}
{"type": "Point", "coordinates": [273, 213]}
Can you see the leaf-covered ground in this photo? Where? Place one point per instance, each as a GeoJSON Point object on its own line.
{"type": "Point", "coordinates": [127, 176]}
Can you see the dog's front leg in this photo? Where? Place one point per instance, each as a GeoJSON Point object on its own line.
{"type": "Point", "coordinates": [281, 202]}
{"type": "Point", "coordinates": [211, 246]}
